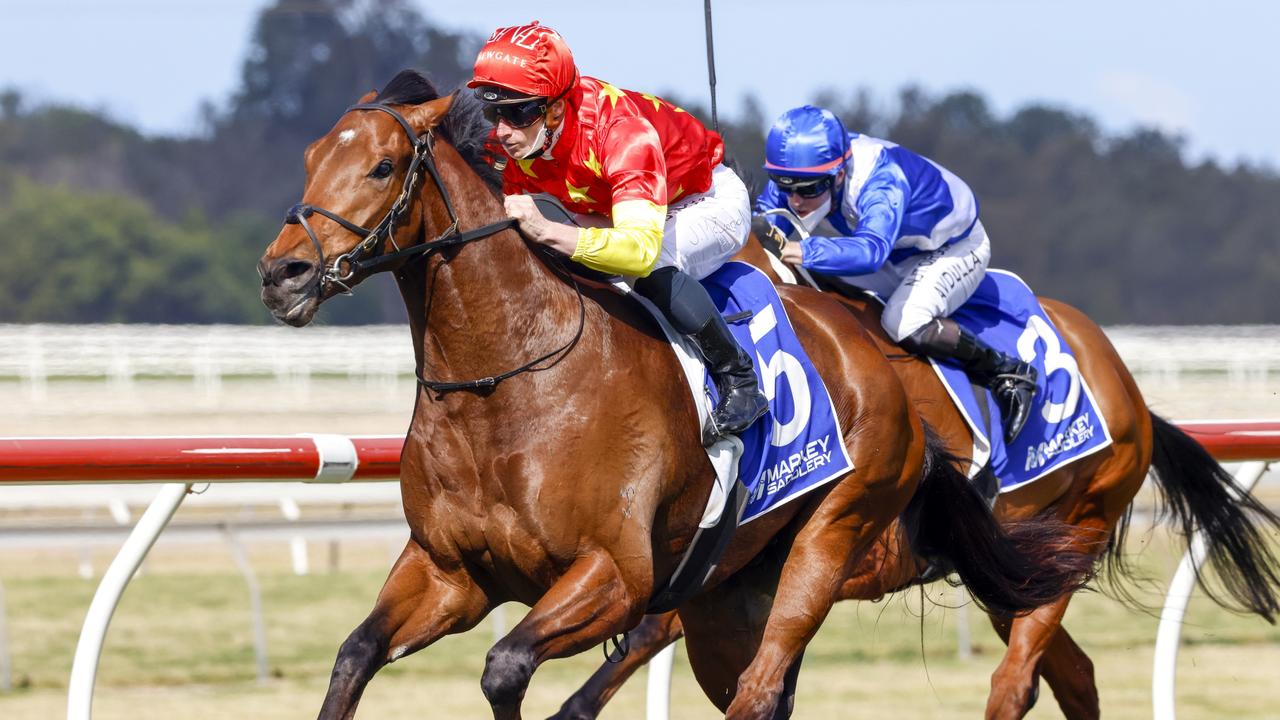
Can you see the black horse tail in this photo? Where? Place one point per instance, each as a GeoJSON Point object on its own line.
{"type": "Point", "coordinates": [1199, 495]}
{"type": "Point", "coordinates": [1009, 568]}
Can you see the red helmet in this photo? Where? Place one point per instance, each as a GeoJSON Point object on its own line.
{"type": "Point", "coordinates": [530, 60]}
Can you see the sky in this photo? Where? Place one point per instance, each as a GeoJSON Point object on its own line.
{"type": "Point", "coordinates": [1207, 71]}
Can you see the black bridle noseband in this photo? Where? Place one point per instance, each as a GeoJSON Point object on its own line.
{"type": "Point", "coordinates": [367, 256]}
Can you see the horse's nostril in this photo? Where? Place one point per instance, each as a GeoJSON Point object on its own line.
{"type": "Point", "coordinates": [294, 268]}
{"type": "Point", "coordinates": [279, 272]}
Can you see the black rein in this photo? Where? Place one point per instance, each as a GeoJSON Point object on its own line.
{"type": "Point", "coordinates": [367, 257]}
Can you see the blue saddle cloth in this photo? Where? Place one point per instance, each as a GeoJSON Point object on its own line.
{"type": "Point", "coordinates": [1064, 425]}
{"type": "Point", "coordinates": [797, 446]}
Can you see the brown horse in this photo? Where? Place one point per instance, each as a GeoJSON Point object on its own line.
{"type": "Point", "coordinates": [1093, 495]}
{"type": "Point", "coordinates": [572, 477]}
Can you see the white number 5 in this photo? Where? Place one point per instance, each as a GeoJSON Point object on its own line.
{"type": "Point", "coordinates": [785, 364]}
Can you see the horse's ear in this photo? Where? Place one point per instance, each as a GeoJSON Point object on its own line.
{"type": "Point", "coordinates": [427, 115]}
{"type": "Point", "coordinates": [367, 97]}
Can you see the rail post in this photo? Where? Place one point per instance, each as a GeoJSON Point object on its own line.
{"type": "Point", "coordinates": [658, 691]}
{"type": "Point", "coordinates": [1165, 668]}
{"type": "Point", "coordinates": [6, 664]}
{"type": "Point", "coordinates": [84, 668]}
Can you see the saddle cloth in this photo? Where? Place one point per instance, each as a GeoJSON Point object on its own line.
{"type": "Point", "coordinates": [797, 446]}
{"type": "Point", "coordinates": [1064, 425]}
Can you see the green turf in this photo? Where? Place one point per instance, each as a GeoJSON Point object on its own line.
{"type": "Point", "coordinates": [181, 645]}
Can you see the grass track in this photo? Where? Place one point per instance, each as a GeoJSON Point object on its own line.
{"type": "Point", "coordinates": [180, 646]}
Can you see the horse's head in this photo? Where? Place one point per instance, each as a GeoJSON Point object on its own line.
{"type": "Point", "coordinates": [359, 200]}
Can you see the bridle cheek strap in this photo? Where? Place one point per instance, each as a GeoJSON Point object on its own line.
{"type": "Point", "coordinates": [367, 257]}
{"type": "Point", "coordinates": [350, 264]}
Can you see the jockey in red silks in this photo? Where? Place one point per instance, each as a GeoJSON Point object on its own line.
{"type": "Point", "coordinates": [644, 178]}
{"type": "Point", "coordinates": [885, 219]}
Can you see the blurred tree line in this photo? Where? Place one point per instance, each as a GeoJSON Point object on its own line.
{"type": "Point", "coordinates": [103, 224]}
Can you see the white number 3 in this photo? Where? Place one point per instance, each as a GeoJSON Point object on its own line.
{"type": "Point", "coordinates": [1054, 360]}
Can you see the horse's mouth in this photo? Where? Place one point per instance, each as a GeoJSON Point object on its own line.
{"type": "Point", "coordinates": [302, 311]}
{"type": "Point", "coordinates": [298, 314]}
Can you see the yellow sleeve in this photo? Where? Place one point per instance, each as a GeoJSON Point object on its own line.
{"type": "Point", "coordinates": [631, 246]}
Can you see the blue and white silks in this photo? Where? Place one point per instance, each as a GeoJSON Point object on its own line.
{"type": "Point", "coordinates": [797, 446]}
{"type": "Point", "coordinates": [1064, 424]}
{"type": "Point", "coordinates": [894, 204]}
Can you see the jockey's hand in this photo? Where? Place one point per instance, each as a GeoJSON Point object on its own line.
{"type": "Point", "coordinates": [768, 234]}
{"type": "Point", "coordinates": [539, 229]}
{"type": "Point", "coordinates": [793, 254]}
{"type": "Point", "coordinates": [522, 209]}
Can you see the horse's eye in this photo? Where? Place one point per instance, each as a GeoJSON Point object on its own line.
{"type": "Point", "coordinates": [382, 170]}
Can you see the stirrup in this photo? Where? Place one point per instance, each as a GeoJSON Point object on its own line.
{"type": "Point", "coordinates": [1014, 414]}
{"type": "Point", "coordinates": [621, 648]}
{"type": "Point", "coordinates": [935, 569]}
{"type": "Point", "coordinates": [712, 431]}
{"type": "Point", "coordinates": [1016, 379]}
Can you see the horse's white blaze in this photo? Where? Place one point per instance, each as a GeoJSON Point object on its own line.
{"type": "Point", "coordinates": [346, 136]}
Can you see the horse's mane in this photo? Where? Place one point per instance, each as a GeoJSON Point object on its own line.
{"type": "Point", "coordinates": [464, 126]}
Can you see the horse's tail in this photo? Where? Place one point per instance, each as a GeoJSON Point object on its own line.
{"type": "Point", "coordinates": [1200, 495]}
{"type": "Point", "coordinates": [1009, 569]}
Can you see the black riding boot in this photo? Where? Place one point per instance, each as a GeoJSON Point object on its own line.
{"type": "Point", "coordinates": [1011, 381]}
{"type": "Point", "coordinates": [690, 311]}
{"type": "Point", "coordinates": [741, 401]}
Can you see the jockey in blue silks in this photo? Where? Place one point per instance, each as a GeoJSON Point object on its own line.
{"type": "Point", "coordinates": [885, 219]}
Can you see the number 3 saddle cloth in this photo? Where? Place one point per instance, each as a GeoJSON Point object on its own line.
{"type": "Point", "coordinates": [1064, 425]}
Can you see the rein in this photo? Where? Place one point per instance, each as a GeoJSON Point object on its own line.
{"type": "Point", "coordinates": [367, 257]}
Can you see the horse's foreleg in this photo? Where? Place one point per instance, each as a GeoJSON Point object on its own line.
{"type": "Point", "coordinates": [805, 593]}
{"type": "Point", "coordinates": [723, 627]}
{"type": "Point", "coordinates": [1015, 685]}
{"type": "Point", "coordinates": [832, 540]}
{"type": "Point", "coordinates": [648, 638]}
{"type": "Point", "coordinates": [417, 605]}
{"type": "Point", "coordinates": [1069, 673]}
{"type": "Point", "coordinates": [586, 606]}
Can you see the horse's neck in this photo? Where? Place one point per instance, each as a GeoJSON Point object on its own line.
{"type": "Point", "coordinates": [492, 305]}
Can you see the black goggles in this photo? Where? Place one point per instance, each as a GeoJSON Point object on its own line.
{"type": "Point", "coordinates": [810, 189]}
{"type": "Point", "coordinates": [517, 114]}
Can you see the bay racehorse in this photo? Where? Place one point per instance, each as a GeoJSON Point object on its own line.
{"type": "Point", "coordinates": [1094, 496]}
{"type": "Point", "coordinates": [570, 476]}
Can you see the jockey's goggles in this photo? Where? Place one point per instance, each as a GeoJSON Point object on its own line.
{"type": "Point", "coordinates": [803, 187]}
{"type": "Point", "coordinates": [520, 114]}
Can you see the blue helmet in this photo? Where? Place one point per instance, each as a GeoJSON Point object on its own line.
{"type": "Point", "coordinates": [806, 142]}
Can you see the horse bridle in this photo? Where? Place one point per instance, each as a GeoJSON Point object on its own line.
{"type": "Point", "coordinates": [367, 257]}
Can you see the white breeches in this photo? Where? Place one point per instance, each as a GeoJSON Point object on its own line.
{"type": "Point", "coordinates": [704, 230]}
{"type": "Point", "coordinates": [930, 285]}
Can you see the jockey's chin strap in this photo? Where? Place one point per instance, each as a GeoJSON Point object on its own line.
{"type": "Point", "coordinates": [367, 257]}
